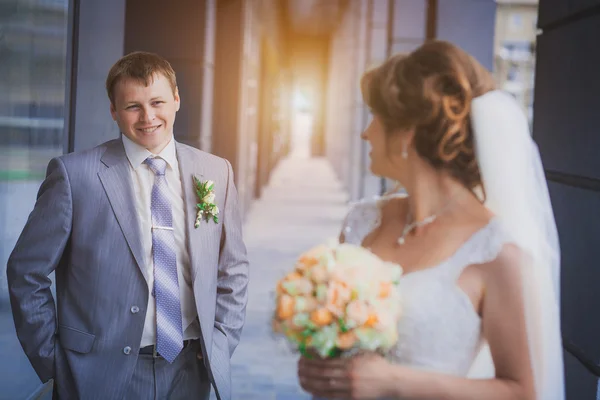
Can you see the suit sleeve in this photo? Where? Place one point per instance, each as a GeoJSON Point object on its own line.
{"type": "Point", "coordinates": [232, 278]}
{"type": "Point", "coordinates": [37, 253]}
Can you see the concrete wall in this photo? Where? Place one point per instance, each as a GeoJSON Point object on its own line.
{"type": "Point", "coordinates": [180, 37]}
{"type": "Point", "coordinates": [308, 64]}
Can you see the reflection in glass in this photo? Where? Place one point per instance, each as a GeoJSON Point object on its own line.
{"type": "Point", "coordinates": [33, 43]}
{"type": "Point", "coordinates": [514, 49]}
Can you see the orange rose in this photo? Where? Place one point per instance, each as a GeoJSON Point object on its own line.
{"type": "Point", "coordinates": [285, 307]}
{"type": "Point", "coordinates": [346, 340]}
{"type": "Point", "coordinates": [292, 276]}
{"type": "Point", "coordinates": [371, 321]}
{"type": "Point", "coordinates": [321, 317]}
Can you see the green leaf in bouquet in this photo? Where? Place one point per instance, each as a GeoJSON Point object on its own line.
{"type": "Point", "coordinates": [334, 353]}
{"type": "Point", "coordinates": [307, 333]}
{"type": "Point", "coordinates": [343, 326]}
{"type": "Point", "coordinates": [302, 349]}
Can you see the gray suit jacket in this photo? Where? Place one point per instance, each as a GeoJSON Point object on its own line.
{"type": "Point", "coordinates": [84, 226]}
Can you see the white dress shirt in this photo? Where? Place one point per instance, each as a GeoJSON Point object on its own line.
{"type": "Point", "coordinates": [143, 180]}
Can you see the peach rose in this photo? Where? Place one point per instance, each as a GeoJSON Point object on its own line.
{"type": "Point", "coordinates": [357, 313]}
{"type": "Point", "coordinates": [285, 307]}
{"type": "Point", "coordinates": [338, 295]}
{"type": "Point", "coordinates": [318, 274]}
{"type": "Point", "coordinates": [346, 340]}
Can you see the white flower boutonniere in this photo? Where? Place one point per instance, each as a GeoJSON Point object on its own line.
{"type": "Point", "coordinates": [207, 209]}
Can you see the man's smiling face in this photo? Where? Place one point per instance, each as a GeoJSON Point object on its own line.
{"type": "Point", "coordinates": [145, 114]}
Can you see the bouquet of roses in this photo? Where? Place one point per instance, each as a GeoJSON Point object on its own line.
{"type": "Point", "coordinates": [339, 299]}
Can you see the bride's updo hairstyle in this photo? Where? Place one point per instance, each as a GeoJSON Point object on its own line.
{"type": "Point", "coordinates": [431, 90]}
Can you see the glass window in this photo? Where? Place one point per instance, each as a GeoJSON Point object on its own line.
{"type": "Point", "coordinates": [515, 43]}
{"type": "Point", "coordinates": [33, 47]}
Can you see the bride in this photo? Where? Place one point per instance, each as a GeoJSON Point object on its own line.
{"type": "Point", "coordinates": [475, 235]}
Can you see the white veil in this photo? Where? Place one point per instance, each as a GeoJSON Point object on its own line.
{"type": "Point", "coordinates": [516, 191]}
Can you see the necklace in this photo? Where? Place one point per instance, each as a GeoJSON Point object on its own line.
{"type": "Point", "coordinates": [408, 227]}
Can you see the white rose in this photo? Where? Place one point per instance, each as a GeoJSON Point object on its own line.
{"type": "Point", "coordinates": [209, 198]}
{"type": "Point", "coordinates": [395, 272]}
{"type": "Point", "coordinates": [389, 338]}
{"type": "Point", "coordinates": [208, 184]}
{"type": "Point", "coordinates": [321, 292]}
{"type": "Point", "coordinates": [215, 210]}
{"type": "Point", "coordinates": [349, 254]}
{"type": "Point", "coordinates": [368, 338]}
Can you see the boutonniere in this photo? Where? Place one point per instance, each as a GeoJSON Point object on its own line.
{"type": "Point", "coordinates": [207, 209]}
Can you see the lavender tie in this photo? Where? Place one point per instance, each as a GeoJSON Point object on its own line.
{"type": "Point", "coordinates": [169, 336]}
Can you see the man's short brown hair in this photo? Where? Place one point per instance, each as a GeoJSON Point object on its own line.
{"type": "Point", "coordinates": [142, 67]}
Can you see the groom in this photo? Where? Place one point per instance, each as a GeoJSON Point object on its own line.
{"type": "Point", "coordinates": [150, 300]}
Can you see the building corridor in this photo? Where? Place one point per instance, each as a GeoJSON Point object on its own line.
{"type": "Point", "coordinates": [304, 204]}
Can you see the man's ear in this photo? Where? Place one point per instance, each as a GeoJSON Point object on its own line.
{"type": "Point", "coordinates": [177, 99]}
{"type": "Point", "coordinates": [113, 111]}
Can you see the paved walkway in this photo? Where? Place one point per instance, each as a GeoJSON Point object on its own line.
{"type": "Point", "coordinates": [303, 205]}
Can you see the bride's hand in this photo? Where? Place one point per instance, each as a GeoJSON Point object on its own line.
{"type": "Point", "coordinates": [366, 376]}
{"type": "Point", "coordinates": [327, 378]}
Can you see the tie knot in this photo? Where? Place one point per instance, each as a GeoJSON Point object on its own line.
{"type": "Point", "coordinates": [157, 165]}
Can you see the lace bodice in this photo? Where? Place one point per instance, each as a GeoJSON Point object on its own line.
{"type": "Point", "coordinates": [440, 330]}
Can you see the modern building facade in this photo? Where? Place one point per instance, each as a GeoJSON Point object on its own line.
{"type": "Point", "coordinates": [368, 33]}
{"type": "Point", "coordinates": [514, 50]}
{"type": "Point", "coordinates": [566, 130]}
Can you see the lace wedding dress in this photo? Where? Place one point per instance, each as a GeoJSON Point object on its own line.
{"type": "Point", "coordinates": [439, 329]}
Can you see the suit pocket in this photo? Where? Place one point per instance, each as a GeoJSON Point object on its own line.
{"type": "Point", "coordinates": [74, 339]}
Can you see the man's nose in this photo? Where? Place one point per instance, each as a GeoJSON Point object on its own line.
{"type": "Point", "coordinates": [148, 114]}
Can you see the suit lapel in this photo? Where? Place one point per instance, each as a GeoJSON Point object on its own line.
{"type": "Point", "coordinates": [116, 180]}
{"type": "Point", "coordinates": [197, 238]}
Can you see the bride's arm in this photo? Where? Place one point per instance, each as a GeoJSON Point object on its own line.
{"type": "Point", "coordinates": [505, 330]}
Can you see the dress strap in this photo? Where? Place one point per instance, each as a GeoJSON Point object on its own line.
{"type": "Point", "coordinates": [365, 216]}
{"type": "Point", "coordinates": [482, 247]}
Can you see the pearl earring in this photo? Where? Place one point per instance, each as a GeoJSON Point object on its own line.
{"type": "Point", "coordinates": [404, 152]}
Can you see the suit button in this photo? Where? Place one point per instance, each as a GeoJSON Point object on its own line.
{"type": "Point", "coordinates": [135, 309]}
{"type": "Point", "coordinates": [127, 350]}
